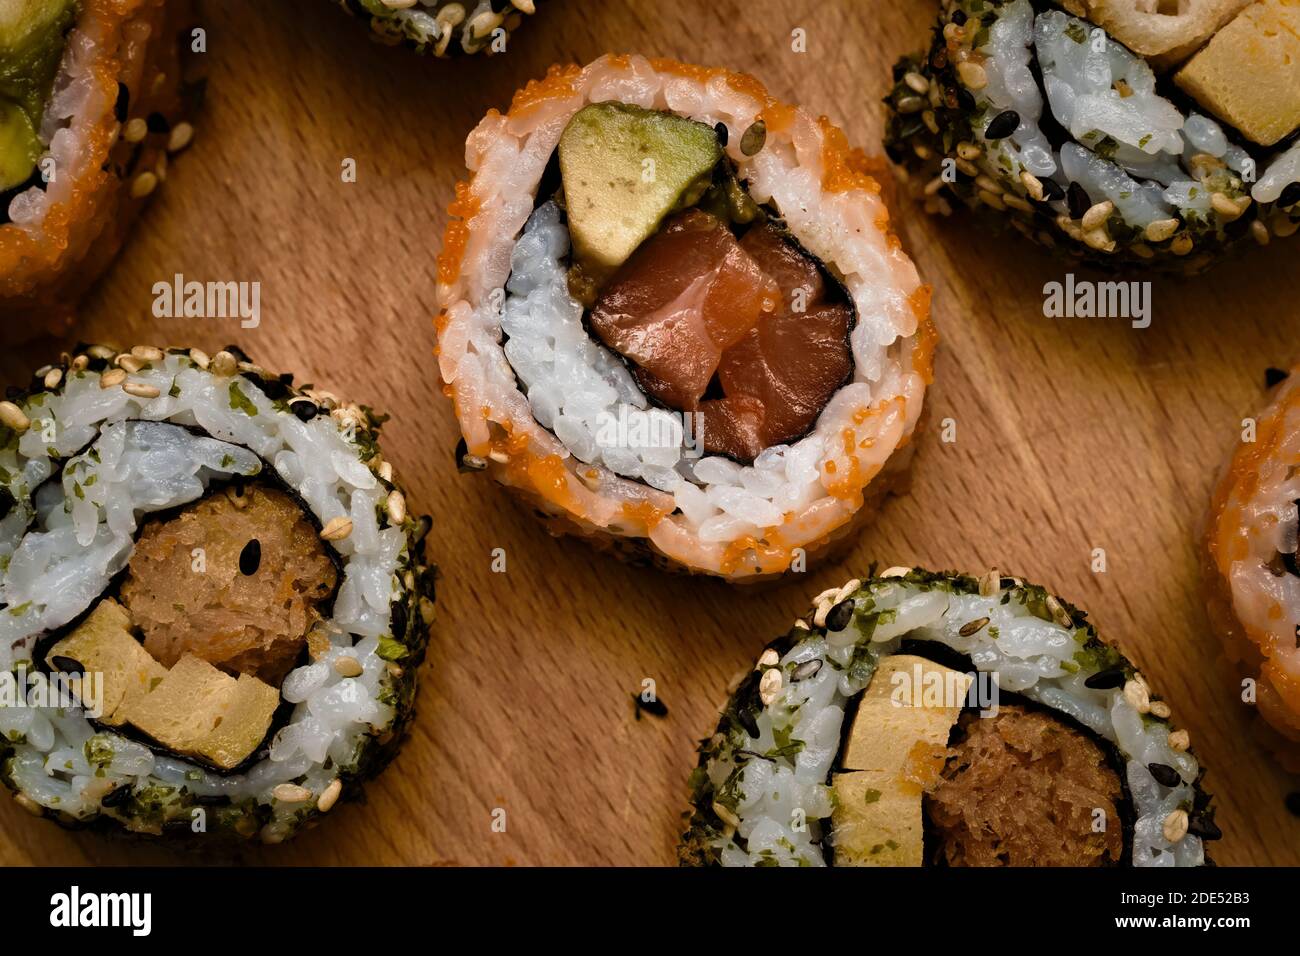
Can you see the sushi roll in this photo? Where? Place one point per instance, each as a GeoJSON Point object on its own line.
{"type": "Point", "coordinates": [92, 102]}
{"type": "Point", "coordinates": [213, 598]}
{"type": "Point", "coordinates": [1113, 132]}
{"type": "Point", "coordinates": [1252, 578]}
{"type": "Point", "coordinates": [442, 27]}
{"type": "Point", "coordinates": [675, 320]}
{"type": "Point", "coordinates": [920, 719]}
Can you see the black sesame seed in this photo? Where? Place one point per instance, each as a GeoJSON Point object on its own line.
{"type": "Point", "coordinates": [123, 102]}
{"type": "Point", "coordinates": [398, 619]}
{"type": "Point", "coordinates": [965, 99]}
{"type": "Point", "coordinates": [67, 665]}
{"type": "Point", "coordinates": [1052, 190]}
{"type": "Point", "coordinates": [1289, 562]}
{"type": "Point", "coordinates": [1293, 803]}
{"type": "Point", "coordinates": [721, 130]}
{"type": "Point", "coordinates": [250, 559]}
{"type": "Point", "coordinates": [1003, 125]}
{"type": "Point", "coordinates": [305, 410]}
{"type": "Point", "coordinates": [753, 139]}
{"type": "Point", "coordinates": [157, 123]}
{"type": "Point", "coordinates": [1164, 774]}
{"type": "Point", "coordinates": [1273, 376]}
{"type": "Point", "coordinates": [654, 707]}
{"type": "Point", "coordinates": [746, 718]}
{"type": "Point", "coordinates": [840, 615]}
{"type": "Point", "coordinates": [1204, 827]}
{"type": "Point", "coordinates": [807, 669]}
{"type": "Point", "coordinates": [7, 501]}
{"type": "Point", "coordinates": [1290, 195]}
{"type": "Point", "coordinates": [1106, 680]}
{"type": "Point", "coordinates": [1078, 199]}
{"type": "Point", "coordinates": [959, 16]}
{"type": "Point", "coordinates": [116, 797]}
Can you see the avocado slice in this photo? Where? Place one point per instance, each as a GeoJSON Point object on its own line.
{"type": "Point", "coordinates": [31, 45]}
{"type": "Point", "coordinates": [614, 196]}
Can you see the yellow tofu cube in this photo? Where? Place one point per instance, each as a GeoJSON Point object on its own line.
{"type": "Point", "coordinates": [110, 655]}
{"type": "Point", "coordinates": [876, 820]}
{"type": "Point", "coordinates": [1249, 74]}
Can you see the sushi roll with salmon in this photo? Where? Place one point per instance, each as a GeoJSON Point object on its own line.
{"type": "Point", "coordinates": [919, 719]}
{"type": "Point", "coordinates": [1117, 133]}
{"type": "Point", "coordinates": [675, 320]}
{"type": "Point", "coordinates": [92, 102]}
{"type": "Point", "coordinates": [1252, 576]}
{"type": "Point", "coordinates": [442, 28]}
{"type": "Point", "coordinates": [213, 597]}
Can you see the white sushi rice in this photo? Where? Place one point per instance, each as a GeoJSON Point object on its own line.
{"type": "Point", "coordinates": [570, 385]}
{"type": "Point", "coordinates": [1146, 168]}
{"type": "Point", "coordinates": [63, 542]}
{"type": "Point", "coordinates": [1030, 656]}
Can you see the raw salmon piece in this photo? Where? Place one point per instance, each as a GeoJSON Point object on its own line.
{"type": "Point", "coordinates": [687, 294]}
{"type": "Point", "coordinates": [792, 364]}
{"type": "Point", "coordinates": [733, 426]}
{"type": "Point", "coordinates": [792, 361]}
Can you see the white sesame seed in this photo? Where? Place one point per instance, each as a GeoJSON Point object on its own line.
{"type": "Point", "coordinates": [140, 390]}
{"type": "Point", "coordinates": [917, 82]}
{"type": "Point", "coordinates": [330, 796]}
{"type": "Point", "coordinates": [1161, 229]}
{"type": "Point", "coordinates": [336, 529]}
{"type": "Point", "coordinates": [1179, 741]}
{"type": "Point", "coordinates": [769, 658]}
{"type": "Point", "coordinates": [112, 377]}
{"type": "Point", "coordinates": [223, 364]}
{"type": "Point", "coordinates": [291, 793]}
{"type": "Point", "coordinates": [135, 130]}
{"type": "Point", "coordinates": [396, 507]}
{"type": "Point", "coordinates": [13, 417]}
{"type": "Point", "coordinates": [181, 135]}
{"type": "Point", "coordinates": [348, 667]}
{"type": "Point", "coordinates": [1175, 826]}
{"type": "Point", "coordinates": [972, 75]}
{"type": "Point", "coordinates": [1098, 214]}
{"type": "Point", "coordinates": [144, 184]}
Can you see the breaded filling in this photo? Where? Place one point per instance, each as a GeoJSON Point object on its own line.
{"type": "Point", "coordinates": [1024, 789]}
{"type": "Point", "coordinates": [234, 579]}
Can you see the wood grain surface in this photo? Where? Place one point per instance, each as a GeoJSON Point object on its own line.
{"type": "Point", "coordinates": [1071, 434]}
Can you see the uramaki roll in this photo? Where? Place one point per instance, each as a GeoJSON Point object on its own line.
{"type": "Point", "coordinates": [647, 245]}
{"type": "Point", "coordinates": [213, 598]}
{"type": "Point", "coordinates": [1111, 131]}
{"type": "Point", "coordinates": [1252, 577]}
{"type": "Point", "coordinates": [91, 114]}
{"type": "Point", "coordinates": [441, 27]}
{"type": "Point", "coordinates": [938, 719]}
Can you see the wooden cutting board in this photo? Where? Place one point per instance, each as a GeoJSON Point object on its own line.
{"type": "Point", "coordinates": [1071, 434]}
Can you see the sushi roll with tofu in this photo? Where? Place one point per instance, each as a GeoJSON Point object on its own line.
{"type": "Point", "coordinates": [213, 598]}
{"type": "Point", "coordinates": [1116, 133]}
{"type": "Point", "coordinates": [919, 719]}
{"type": "Point", "coordinates": [675, 321]}
{"type": "Point", "coordinates": [442, 27]}
{"type": "Point", "coordinates": [92, 102]}
{"type": "Point", "coordinates": [1252, 576]}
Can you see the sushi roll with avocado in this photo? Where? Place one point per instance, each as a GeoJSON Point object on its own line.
{"type": "Point", "coordinates": [92, 103]}
{"type": "Point", "coordinates": [442, 27]}
{"type": "Point", "coordinates": [675, 320]}
{"type": "Point", "coordinates": [1252, 576]}
{"type": "Point", "coordinates": [1116, 133]}
{"type": "Point", "coordinates": [920, 719]}
{"type": "Point", "coordinates": [213, 597]}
